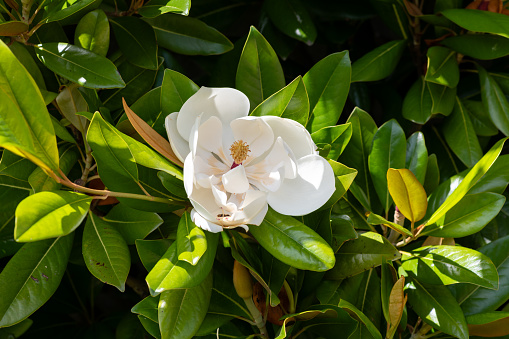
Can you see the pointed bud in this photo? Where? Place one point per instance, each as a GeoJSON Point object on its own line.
{"type": "Point", "coordinates": [242, 281]}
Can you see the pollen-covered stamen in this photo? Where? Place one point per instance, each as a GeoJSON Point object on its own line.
{"type": "Point", "coordinates": [239, 150]}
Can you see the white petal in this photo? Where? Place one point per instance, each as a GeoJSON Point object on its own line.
{"type": "Point", "coordinates": [312, 187]}
{"type": "Point", "coordinates": [255, 132]}
{"type": "Point", "coordinates": [209, 135]}
{"type": "Point", "coordinates": [189, 174]}
{"type": "Point", "coordinates": [208, 171]}
{"type": "Point", "coordinates": [204, 223]}
{"type": "Point", "coordinates": [225, 103]}
{"type": "Point", "coordinates": [294, 134]}
{"type": "Point", "coordinates": [235, 180]}
{"type": "Point", "coordinates": [254, 204]}
{"type": "Point", "coordinates": [257, 219]}
{"type": "Point", "coordinates": [178, 144]}
{"type": "Point", "coordinates": [204, 203]}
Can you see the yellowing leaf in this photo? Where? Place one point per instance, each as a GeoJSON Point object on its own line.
{"type": "Point", "coordinates": [397, 301]}
{"type": "Point", "coordinates": [407, 193]}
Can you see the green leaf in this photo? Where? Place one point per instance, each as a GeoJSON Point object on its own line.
{"type": "Point", "coordinates": [344, 177]}
{"type": "Point", "coordinates": [357, 314]}
{"type": "Point", "coordinates": [356, 152]}
{"type": "Point", "coordinates": [93, 32]}
{"type": "Point", "coordinates": [450, 265]}
{"type": "Point", "coordinates": [460, 136]}
{"type": "Point", "coordinates": [150, 251]}
{"type": "Point", "coordinates": [432, 175]}
{"type": "Point", "coordinates": [437, 307]}
{"type": "Point", "coordinates": [13, 28]}
{"type": "Point", "coordinates": [31, 277]}
{"type": "Point", "coordinates": [69, 13]}
{"type": "Point", "coordinates": [379, 63]}
{"type": "Point", "coordinates": [442, 67]}
{"type": "Point", "coordinates": [79, 65]}
{"type": "Point", "coordinates": [494, 101]}
{"type": "Point", "coordinates": [470, 179]}
{"type": "Point", "coordinates": [50, 214]}
{"type": "Point", "coordinates": [480, 118]}
{"type": "Point", "coordinates": [137, 41]}
{"type": "Point", "coordinates": [479, 21]}
{"type": "Point", "coordinates": [342, 229]}
{"type": "Point", "coordinates": [189, 36]}
{"type": "Point", "coordinates": [388, 151]}
{"type": "Point", "coordinates": [132, 224]}
{"type": "Point", "coordinates": [361, 254]}
{"type": "Point", "coordinates": [327, 84]}
{"type": "Point", "coordinates": [105, 252]}
{"type": "Point", "coordinates": [191, 241]}
{"type": "Point", "coordinates": [477, 299]}
{"type": "Point", "coordinates": [152, 327]}
{"type": "Point", "coordinates": [442, 97]}
{"type": "Point", "coordinates": [175, 90]}
{"type": "Point", "coordinates": [375, 219]}
{"type": "Point", "coordinates": [26, 59]}
{"type": "Point", "coordinates": [492, 324]}
{"type": "Point", "coordinates": [335, 137]}
{"type": "Point", "coordinates": [26, 125]}
{"type": "Point", "coordinates": [275, 272]}
{"type": "Point", "coordinates": [290, 102]}
{"type": "Point", "coordinates": [478, 46]}
{"type": "Point", "coordinates": [496, 179]}
{"type": "Point", "coordinates": [418, 103]}
{"type": "Point", "coordinates": [16, 331]}
{"type": "Point", "coordinates": [154, 8]}
{"type": "Point", "coordinates": [293, 243]}
{"type": "Point", "coordinates": [147, 307]}
{"type": "Point", "coordinates": [171, 273]}
{"type": "Point", "coordinates": [468, 216]}
{"type": "Point", "coordinates": [292, 18]}
{"type": "Point", "coordinates": [417, 156]}
{"type": "Point", "coordinates": [259, 74]}
{"type": "Point", "coordinates": [181, 311]}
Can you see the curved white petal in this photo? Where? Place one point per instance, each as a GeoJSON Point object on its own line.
{"type": "Point", "coordinates": [203, 223]}
{"type": "Point", "coordinates": [235, 180]}
{"type": "Point", "coordinates": [178, 144]}
{"type": "Point", "coordinates": [255, 203]}
{"type": "Point", "coordinates": [225, 103]}
{"type": "Point", "coordinates": [312, 187]}
{"type": "Point", "coordinates": [189, 175]}
{"type": "Point", "coordinates": [294, 134]}
{"type": "Point", "coordinates": [255, 132]}
{"type": "Point", "coordinates": [257, 219]}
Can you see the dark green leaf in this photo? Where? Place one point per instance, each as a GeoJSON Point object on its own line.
{"type": "Point", "coordinates": [344, 176]}
{"type": "Point", "coordinates": [418, 103]}
{"type": "Point", "coordinates": [342, 230]}
{"type": "Point", "coordinates": [494, 101]}
{"type": "Point", "coordinates": [443, 98]}
{"type": "Point", "coordinates": [70, 13]}
{"type": "Point", "coordinates": [379, 63]}
{"type": "Point", "coordinates": [292, 18]}
{"type": "Point", "coordinates": [154, 8]}
{"type": "Point", "coordinates": [175, 90]}
{"type": "Point", "coordinates": [479, 21]}
{"type": "Point", "coordinates": [442, 67]}
{"type": "Point", "coordinates": [93, 32]}
{"type": "Point", "coordinates": [150, 251]}
{"type": "Point", "coordinates": [480, 118]}
{"type": "Point", "coordinates": [479, 46]}
{"type": "Point", "coordinates": [432, 175]}
{"type": "Point", "coordinates": [336, 137]}
{"type": "Point", "coordinates": [417, 156]}
{"type": "Point", "coordinates": [360, 316]}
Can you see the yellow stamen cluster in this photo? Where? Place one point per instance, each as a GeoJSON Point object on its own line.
{"type": "Point", "coordinates": [239, 150]}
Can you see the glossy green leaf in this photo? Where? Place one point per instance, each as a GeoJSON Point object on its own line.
{"type": "Point", "coordinates": [16, 331]}
{"type": "Point", "coordinates": [344, 177]}
{"type": "Point", "coordinates": [152, 327]}
{"type": "Point", "coordinates": [442, 97]}
{"type": "Point", "coordinates": [70, 13]}
{"type": "Point", "coordinates": [275, 272]}
{"type": "Point", "coordinates": [292, 18]}
{"type": "Point", "coordinates": [437, 307]}
{"type": "Point", "coordinates": [450, 265]}
{"type": "Point", "coordinates": [496, 179]}
{"type": "Point", "coordinates": [175, 90]}
{"type": "Point", "coordinates": [132, 224]}
{"type": "Point", "coordinates": [21, 101]}
{"type": "Point", "coordinates": [191, 240]}
{"type": "Point", "coordinates": [93, 32]}
{"type": "Point", "coordinates": [476, 299]}
{"type": "Point", "coordinates": [494, 101]}
{"type": "Point", "coordinates": [460, 136]}
{"type": "Point", "coordinates": [480, 118]}
{"type": "Point", "coordinates": [479, 46]}
{"type": "Point", "coordinates": [154, 8]}
{"type": "Point", "coordinates": [375, 219]}
{"type": "Point", "coordinates": [470, 179]}
{"type": "Point", "coordinates": [181, 311]}
{"type": "Point", "coordinates": [31, 277]}
{"type": "Point", "coordinates": [293, 243]}
{"type": "Point", "coordinates": [417, 156]}
{"type": "Point", "coordinates": [327, 84]}
{"type": "Point", "coordinates": [407, 193]}
{"type": "Point", "coordinates": [137, 41]}
{"type": "Point", "coordinates": [147, 307]}
{"type": "Point", "coordinates": [361, 254]}
{"type": "Point", "coordinates": [290, 102]}
{"type": "Point", "coordinates": [388, 151]}
{"type": "Point", "coordinates": [379, 63]}
{"type": "Point", "coordinates": [442, 67]}
{"type": "Point", "coordinates": [342, 229]}
{"type": "Point", "coordinates": [432, 178]}
{"type": "Point", "coordinates": [149, 109]}
{"type": "Point", "coordinates": [468, 216]}
{"type": "Point", "coordinates": [335, 137]}
{"type": "Point", "coordinates": [171, 273]}
{"type": "Point", "coordinates": [150, 251]}
{"type": "Point", "coordinates": [479, 21]}
{"type": "Point", "coordinates": [50, 214]}
{"type": "Point", "coordinates": [418, 103]}
{"type": "Point", "coordinates": [79, 65]}
{"type": "Point", "coordinates": [105, 252]}
{"type": "Point", "coordinates": [26, 59]}
{"type": "Point", "coordinates": [259, 74]}
{"type": "Point", "coordinates": [70, 102]}
{"type": "Point", "coordinates": [12, 28]}
{"type": "Point", "coordinates": [356, 152]}
{"type": "Point", "coordinates": [358, 314]}
{"type": "Point", "coordinates": [189, 36]}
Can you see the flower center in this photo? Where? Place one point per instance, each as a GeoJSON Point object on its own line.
{"type": "Point", "coordinates": [239, 150]}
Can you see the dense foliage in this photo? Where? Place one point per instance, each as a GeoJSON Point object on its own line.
{"type": "Point", "coordinates": [406, 100]}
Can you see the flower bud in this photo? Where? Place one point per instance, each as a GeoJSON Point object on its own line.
{"type": "Point", "coordinates": [242, 280]}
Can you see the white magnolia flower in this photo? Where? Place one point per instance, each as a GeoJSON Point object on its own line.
{"type": "Point", "coordinates": [235, 164]}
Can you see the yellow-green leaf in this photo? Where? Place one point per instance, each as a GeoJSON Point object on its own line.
{"type": "Point", "coordinates": [407, 193]}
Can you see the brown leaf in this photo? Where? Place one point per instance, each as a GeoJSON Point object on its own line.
{"type": "Point", "coordinates": [397, 302]}
{"type": "Point", "coordinates": [412, 9]}
{"type": "Point", "coordinates": [13, 4]}
{"type": "Point", "coordinates": [13, 28]}
{"type": "Point", "coordinates": [494, 329]}
{"type": "Point", "coordinates": [153, 138]}
{"type": "Point", "coordinates": [434, 241]}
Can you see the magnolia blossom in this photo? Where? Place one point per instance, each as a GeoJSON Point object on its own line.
{"type": "Point", "coordinates": [236, 165]}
